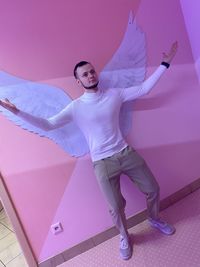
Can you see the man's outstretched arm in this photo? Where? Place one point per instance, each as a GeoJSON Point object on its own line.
{"type": "Point", "coordinates": [54, 122]}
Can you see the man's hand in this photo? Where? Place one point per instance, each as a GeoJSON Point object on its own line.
{"type": "Point", "coordinates": [172, 52]}
{"type": "Point", "coordinates": [9, 106]}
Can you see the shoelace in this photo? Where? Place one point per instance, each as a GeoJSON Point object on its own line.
{"type": "Point", "coordinates": [161, 223]}
{"type": "Point", "coordinates": [123, 243]}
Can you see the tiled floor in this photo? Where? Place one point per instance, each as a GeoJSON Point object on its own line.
{"type": "Point", "coordinates": [10, 251]}
{"type": "Point", "coordinates": [150, 247]}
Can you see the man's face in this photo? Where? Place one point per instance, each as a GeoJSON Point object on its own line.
{"type": "Point", "coordinates": [87, 76]}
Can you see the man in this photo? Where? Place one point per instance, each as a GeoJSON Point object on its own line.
{"type": "Point", "coordinates": [97, 114]}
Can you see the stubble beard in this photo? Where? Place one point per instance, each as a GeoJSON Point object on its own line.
{"type": "Point", "coordinates": [90, 87]}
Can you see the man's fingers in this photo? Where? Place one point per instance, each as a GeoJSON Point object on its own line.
{"type": "Point", "coordinates": [174, 46]}
{"type": "Point", "coordinates": [173, 49]}
{"type": "Point", "coordinates": [6, 103]}
{"type": "Point", "coordinates": [2, 102]}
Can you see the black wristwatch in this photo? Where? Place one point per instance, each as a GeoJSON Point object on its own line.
{"type": "Point", "coordinates": [165, 64]}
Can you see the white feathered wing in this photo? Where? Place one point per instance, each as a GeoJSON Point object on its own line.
{"type": "Point", "coordinates": [44, 101]}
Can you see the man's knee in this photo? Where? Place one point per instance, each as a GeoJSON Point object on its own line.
{"type": "Point", "coordinates": [155, 193]}
{"type": "Point", "coordinates": [116, 212]}
{"type": "Point", "coordinates": [117, 208]}
{"type": "Point", "coordinates": [157, 188]}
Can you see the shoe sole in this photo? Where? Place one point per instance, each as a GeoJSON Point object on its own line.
{"type": "Point", "coordinates": [128, 257]}
{"type": "Point", "coordinates": [166, 233]}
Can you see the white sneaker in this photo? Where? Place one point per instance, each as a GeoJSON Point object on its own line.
{"type": "Point", "coordinates": [163, 226]}
{"type": "Point", "coordinates": [125, 248]}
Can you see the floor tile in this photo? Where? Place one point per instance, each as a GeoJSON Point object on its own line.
{"type": "Point", "coordinates": [6, 222]}
{"type": "Point", "coordinates": [7, 241]}
{"type": "Point", "coordinates": [2, 214]}
{"type": "Point", "coordinates": [19, 261]}
{"type": "Point", "coordinates": [10, 252]}
{"type": "Point", "coordinates": [4, 231]}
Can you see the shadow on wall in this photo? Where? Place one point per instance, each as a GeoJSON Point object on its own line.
{"type": "Point", "coordinates": [174, 165]}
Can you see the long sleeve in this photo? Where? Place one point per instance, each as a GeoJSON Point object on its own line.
{"type": "Point", "coordinates": [59, 120]}
{"type": "Point", "coordinates": [137, 91]}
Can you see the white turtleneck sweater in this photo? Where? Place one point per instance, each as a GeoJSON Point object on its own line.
{"type": "Point", "coordinates": [97, 115]}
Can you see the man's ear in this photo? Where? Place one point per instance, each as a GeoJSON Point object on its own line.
{"type": "Point", "coordinates": [78, 82]}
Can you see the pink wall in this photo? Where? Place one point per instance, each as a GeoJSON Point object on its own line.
{"type": "Point", "coordinates": [46, 184]}
{"type": "Point", "coordinates": [38, 37]}
{"type": "Point", "coordinates": [192, 22]}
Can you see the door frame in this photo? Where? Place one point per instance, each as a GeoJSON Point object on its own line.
{"type": "Point", "coordinates": [17, 224]}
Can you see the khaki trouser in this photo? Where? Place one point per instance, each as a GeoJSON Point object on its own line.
{"type": "Point", "coordinates": [108, 172]}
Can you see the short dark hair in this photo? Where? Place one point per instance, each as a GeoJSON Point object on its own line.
{"type": "Point", "coordinates": [79, 64]}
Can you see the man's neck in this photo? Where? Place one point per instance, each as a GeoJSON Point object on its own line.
{"type": "Point", "coordinates": [93, 90]}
